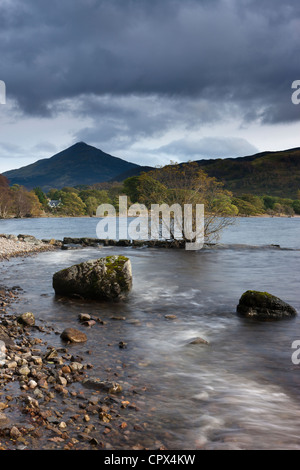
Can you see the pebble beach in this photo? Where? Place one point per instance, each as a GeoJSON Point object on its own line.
{"type": "Point", "coordinates": [21, 245]}
{"type": "Point", "coordinates": [49, 398]}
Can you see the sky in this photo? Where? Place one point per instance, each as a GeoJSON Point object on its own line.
{"type": "Point", "coordinates": [149, 81]}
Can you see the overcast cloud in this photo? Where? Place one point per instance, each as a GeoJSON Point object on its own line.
{"type": "Point", "coordinates": [149, 78]}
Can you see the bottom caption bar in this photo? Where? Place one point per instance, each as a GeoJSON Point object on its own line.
{"type": "Point", "coordinates": [141, 459]}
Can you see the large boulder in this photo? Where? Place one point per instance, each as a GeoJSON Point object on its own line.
{"type": "Point", "coordinates": [107, 278]}
{"type": "Point", "coordinates": [264, 306]}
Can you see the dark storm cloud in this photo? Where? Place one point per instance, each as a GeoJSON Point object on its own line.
{"type": "Point", "coordinates": [241, 52]}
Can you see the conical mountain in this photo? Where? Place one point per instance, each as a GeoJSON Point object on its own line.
{"type": "Point", "coordinates": [78, 164]}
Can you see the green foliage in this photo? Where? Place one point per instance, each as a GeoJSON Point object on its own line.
{"type": "Point", "coordinates": [296, 206]}
{"type": "Point", "coordinates": [41, 196]}
{"type": "Point", "coordinates": [130, 188]}
{"type": "Point", "coordinates": [72, 205]}
{"type": "Point", "coordinates": [101, 196]}
{"type": "Point", "coordinates": [245, 208]}
{"type": "Point", "coordinates": [91, 205]}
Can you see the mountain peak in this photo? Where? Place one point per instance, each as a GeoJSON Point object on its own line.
{"type": "Point", "coordinates": [81, 144]}
{"type": "Point", "coordinates": [80, 164]}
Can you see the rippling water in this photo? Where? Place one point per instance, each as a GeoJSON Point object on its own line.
{"type": "Point", "coordinates": [241, 391]}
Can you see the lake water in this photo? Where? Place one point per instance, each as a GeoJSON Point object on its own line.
{"type": "Point", "coordinates": [240, 392]}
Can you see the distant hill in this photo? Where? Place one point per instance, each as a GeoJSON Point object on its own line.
{"type": "Point", "coordinates": [80, 164]}
{"type": "Point", "coordinates": [267, 173]}
{"type": "Point", "coordinates": [132, 172]}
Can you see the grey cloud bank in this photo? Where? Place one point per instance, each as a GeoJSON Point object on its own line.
{"type": "Point", "coordinates": [135, 70]}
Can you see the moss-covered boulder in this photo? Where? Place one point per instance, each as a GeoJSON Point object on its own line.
{"type": "Point", "coordinates": [264, 306]}
{"type": "Point", "coordinates": [107, 278]}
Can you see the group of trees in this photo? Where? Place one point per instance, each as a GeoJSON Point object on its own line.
{"type": "Point", "coordinates": [79, 201]}
{"type": "Point", "coordinates": [171, 184]}
{"type": "Point", "coordinates": [17, 201]}
{"type": "Point", "coordinates": [154, 187]}
{"type": "Point", "coordinates": [249, 204]}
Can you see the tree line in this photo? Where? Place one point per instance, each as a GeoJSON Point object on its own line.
{"type": "Point", "coordinates": [173, 183]}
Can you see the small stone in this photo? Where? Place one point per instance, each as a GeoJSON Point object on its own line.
{"type": "Point", "coordinates": [62, 381]}
{"type": "Point", "coordinates": [32, 384]}
{"type": "Point", "coordinates": [105, 417]}
{"type": "Point", "coordinates": [37, 360]}
{"type": "Point", "coordinates": [75, 366]}
{"type": "Point", "coordinates": [43, 383]}
{"type": "Point", "coordinates": [62, 425]}
{"type": "Point", "coordinates": [24, 370]}
{"type": "Point", "coordinates": [73, 335]}
{"type": "Point", "coordinates": [89, 323]}
{"type": "Point", "coordinates": [170, 317]}
{"type": "Point", "coordinates": [4, 420]}
{"type": "Point", "coordinates": [61, 389]}
{"type": "Point", "coordinates": [27, 319]}
{"type": "Point", "coordinates": [12, 365]}
{"type": "Point", "coordinates": [84, 317]}
{"type": "Point", "coordinates": [15, 433]}
{"type": "Point", "coordinates": [51, 354]}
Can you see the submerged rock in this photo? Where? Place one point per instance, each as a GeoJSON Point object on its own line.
{"type": "Point", "coordinates": [264, 306]}
{"type": "Point", "coordinates": [198, 340]}
{"type": "Point", "coordinates": [107, 278]}
{"type": "Point", "coordinates": [102, 385]}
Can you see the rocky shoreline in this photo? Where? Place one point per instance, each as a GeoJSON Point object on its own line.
{"type": "Point", "coordinates": [49, 398]}
{"type": "Point", "coordinates": [22, 245]}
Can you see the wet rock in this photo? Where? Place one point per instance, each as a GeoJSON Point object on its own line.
{"type": "Point", "coordinates": [32, 384]}
{"type": "Point", "coordinates": [27, 238]}
{"type": "Point", "coordinates": [49, 356]}
{"type": "Point", "coordinates": [37, 360]}
{"type": "Point", "coordinates": [73, 335]}
{"type": "Point", "coordinates": [5, 338]}
{"type": "Point", "coordinates": [4, 420]}
{"type": "Point", "coordinates": [170, 317]}
{"type": "Point", "coordinates": [12, 365]}
{"type": "Point", "coordinates": [107, 278]}
{"type": "Point", "coordinates": [198, 340]}
{"type": "Point", "coordinates": [264, 306]}
{"type": "Point", "coordinates": [24, 370]}
{"type": "Point", "coordinates": [104, 386]}
{"type": "Point", "coordinates": [15, 433]}
{"type": "Point", "coordinates": [27, 319]}
{"type": "Point", "coordinates": [89, 323]}
{"type": "Point", "coordinates": [84, 317]}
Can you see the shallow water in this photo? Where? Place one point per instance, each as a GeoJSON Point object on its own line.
{"type": "Point", "coordinates": [241, 391]}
